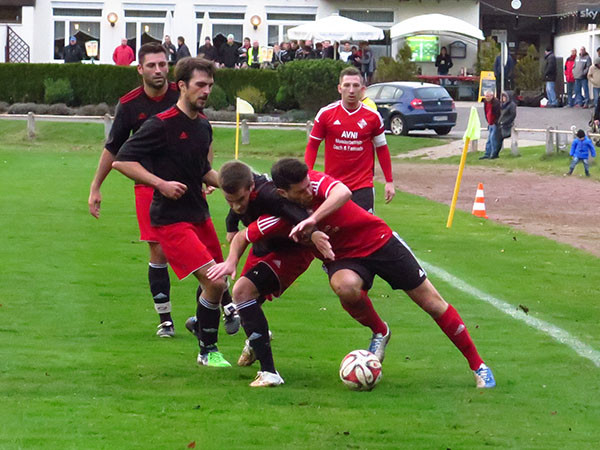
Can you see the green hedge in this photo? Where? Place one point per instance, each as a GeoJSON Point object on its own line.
{"type": "Point", "coordinates": [91, 83]}
{"type": "Point", "coordinates": [234, 80]}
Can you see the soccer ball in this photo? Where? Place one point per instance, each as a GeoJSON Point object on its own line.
{"type": "Point", "coordinates": [360, 370]}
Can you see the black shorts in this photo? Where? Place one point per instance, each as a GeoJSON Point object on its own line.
{"type": "Point", "coordinates": [394, 262]}
{"type": "Point", "coordinates": [264, 279]}
{"type": "Point", "coordinates": [365, 198]}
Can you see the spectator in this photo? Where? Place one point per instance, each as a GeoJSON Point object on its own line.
{"type": "Point", "coordinates": [285, 55]}
{"type": "Point", "coordinates": [367, 62]}
{"type": "Point", "coordinates": [208, 51]}
{"type": "Point", "coordinates": [443, 62]}
{"type": "Point", "coordinates": [228, 53]}
{"type": "Point", "coordinates": [73, 51]}
{"type": "Point", "coordinates": [598, 52]}
{"type": "Point", "coordinates": [569, 63]}
{"type": "Point", "coordinates": [123, 54]}
{"type": "Point", "coordinates": [508, 114]}
{"type": "Point", "coordinates": [182, 50]}
{"type": "Point", "coordinates": [306, 51]}
{"type": "Point", "coordinates": [327, 50]}
{"type": "Point", "coordinates": [594, 78]}
{"type": "Point", "coordinates": [354, 58]}
{"type": "Point", "coordinates": [294, 47]}
{"type": "Point", "coordinates": [243, 52]}
{"type": "Point", "coordinates": [491, 107]}
{"type": "Point", "coordinates": [549, 74]}
{"type": "Point", "coordinates": [318, 50]}
{"type": "Point", "coordinates": [583, 62]}
{"type": "Point", "coordinates": [509, 73]}
{"type": "Point", "coordinates": [254, 56]}
{"type": "Point", "coordinates": [580, 151]}
{"type": "Point", "coordinates": [276, 58]}
{"type": "Point", "coordinates": [346, 52]}
{"type": "Point", "coordinates": [171, 50]}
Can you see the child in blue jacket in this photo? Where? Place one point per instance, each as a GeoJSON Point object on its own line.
{"type": "Point", "coordinates": [580, 151]}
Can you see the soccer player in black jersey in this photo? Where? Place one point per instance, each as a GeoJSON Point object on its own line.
{"type": "Point", "coordinates": [177, 143]}
{"type": "Point", "coordinates": [154, 96]}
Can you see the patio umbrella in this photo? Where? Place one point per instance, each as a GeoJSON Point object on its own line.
{"type": "Point", "coordinates": [335, 28]}
{"type": "Point", "coordinates": [435, 24]}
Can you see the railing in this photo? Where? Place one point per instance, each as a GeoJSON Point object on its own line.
{"type": "Point", "coordinates": [16, 49]}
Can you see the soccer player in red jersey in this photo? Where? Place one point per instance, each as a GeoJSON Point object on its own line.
{"type": "Point", "coordinates": [177, 143]}
{"type": "Point", "coordinates": [353, 133]}
{"type": "Point", "coordinates": [365, 246]}
{"type": "Point", "coordinates": [154, 96]}
{"type": "Point", "coordinates": [273, 264]}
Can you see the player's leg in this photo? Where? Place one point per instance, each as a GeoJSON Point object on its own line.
{"type": "Point", "coordinates": [448, 319]}
{"type": "Point", "coordinates": [365, 198]}
{"type": "Point", "coordinates": [209, 238]}
{"type": "Point", "coordinates": [349, 286]}
{"type": "Point", "coordinates": [158, 272]}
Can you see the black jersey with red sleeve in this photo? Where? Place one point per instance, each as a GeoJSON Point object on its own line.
{"type": "Point", "coordinates": [133, 109]}
{"type": "Point", "coordinates": [352, 231]}
{"type": "Point", "coordinates": [177, 147]}
{"type": "Point", "coordinates": [264, 200]}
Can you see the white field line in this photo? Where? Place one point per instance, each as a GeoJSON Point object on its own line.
{"type": "Point", "coordinates": [555, 332]}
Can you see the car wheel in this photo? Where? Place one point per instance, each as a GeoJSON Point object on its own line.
{"type": "Point", "coordinates": [398, 126]}
{"type": "Point", "coordinates": [442, 131]}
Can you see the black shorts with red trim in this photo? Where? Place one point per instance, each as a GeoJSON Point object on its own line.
{"type": "Point", "coordinates": [394, 263]}
{"type": "Point", "coordinates": [274, 272]}
{"type": "Point", "coordinates": [365, 198]}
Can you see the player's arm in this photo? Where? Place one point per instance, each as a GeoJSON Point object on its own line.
{"type": "Point", "coordinates": [229, 266]}
{"type": "Point", "coordinates": [314, 140]}
{"type": "Point", "coordinates": [231, 225]}
{"type": "Point", "coordinates": [385, 161]}
{"type": "Point", "coordinates": [338, 195]}
{"type": "Point", "coordinates": [211, 178]}
{"type": "Point", "coordinates": [104, 167]}
{"type": "Point", "coordinates": [132, 169]}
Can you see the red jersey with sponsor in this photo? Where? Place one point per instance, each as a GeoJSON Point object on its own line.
{"type": "Point", "coordinates": [352, 231]}
{"type": "Point", "coordinates": [350, 141]}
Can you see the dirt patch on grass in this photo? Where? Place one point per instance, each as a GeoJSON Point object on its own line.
{"type": "Point", "coordinates": [561, 208]}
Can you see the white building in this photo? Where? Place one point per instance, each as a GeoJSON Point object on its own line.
{"type": "Point", "coordinates": [45, 25]}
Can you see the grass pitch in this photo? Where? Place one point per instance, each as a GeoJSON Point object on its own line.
{"type": "Point", "coordinates": [80, 366]}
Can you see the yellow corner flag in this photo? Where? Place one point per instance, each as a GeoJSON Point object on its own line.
{"type": "Point", "coordinates": [241, 107]}
{"type": "Point", "coordinates": [473, 133]}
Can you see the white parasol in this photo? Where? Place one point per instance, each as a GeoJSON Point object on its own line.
{"type": "Point", "coordinates": [335, 28]}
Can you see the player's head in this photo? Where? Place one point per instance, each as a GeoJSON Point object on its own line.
{"type": "Point", "coordinates": [195, 79]}
{"type": "Point", "coordinates": [290, 176]}
{"type": "Point", "coordinates": [351, 87]}
{"type": "Point", "coordinates": [236, 182]}
{"type": "Point", "coordinates": [153, 65]}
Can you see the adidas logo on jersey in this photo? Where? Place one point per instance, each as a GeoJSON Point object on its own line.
{"type": "Point", "coordinates": [142, 116]}
{"type": "Point", "coordinates": [183, 135]}
{"type": "Point", "coordinates": [337, 122]}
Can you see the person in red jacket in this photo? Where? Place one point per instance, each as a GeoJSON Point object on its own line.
{"type": "Point", "coordinates": [123, 54]}
{"type": "Point", "coordinates": [491, 107]}
{"type": "Point", "coordinates": [569, 63]}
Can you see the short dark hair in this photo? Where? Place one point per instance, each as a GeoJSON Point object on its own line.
{"type": "Point", "coordinates": [150, 48]}
{"type": "Point", "coordinates": [351, 71]}
{"type": "Point", "coordinates": [288, 171]}
{"type": "Point", "coordinates": [580, 134]}
{"type": "Point", "coordinates": [184, 69]}
{"type": "Point", "coordinates": [181, 38]}
{"type": "Point", "coordinates": [235, 175]}
{"type": "Point", "coordinates": [548, 49]}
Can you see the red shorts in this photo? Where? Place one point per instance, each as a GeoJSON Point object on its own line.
{"type": "Point", "coordinates": [143, 200]}
{"type": "Point", "coordinates": [189, 246]}
{"type": "Point", "coordinates": [287, 266]}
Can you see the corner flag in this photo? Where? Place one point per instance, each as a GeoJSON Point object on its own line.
{"type": "Point", "coordinates": [241, 107]}
{"type": "Point", "coordinates": [473, 127]}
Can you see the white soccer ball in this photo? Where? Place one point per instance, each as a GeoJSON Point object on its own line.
{"type": "Point", "coordinates": [360, 370]}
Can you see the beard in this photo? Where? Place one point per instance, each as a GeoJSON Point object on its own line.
{"type": "Point", "coordinates": [155, 83]}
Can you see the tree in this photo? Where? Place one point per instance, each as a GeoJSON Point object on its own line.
{"type": "Point", "coordinates": [527, 71]}
{"type": "Point", "coordinates": [399, 69]}
{"type": "Point", "coordinates": [488, 50]}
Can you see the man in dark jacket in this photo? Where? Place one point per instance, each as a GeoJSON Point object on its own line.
{"type": "Point", "coordinates": [208, 51]}
{"type": "Point", "coordinates": [171, 50]}
{"type": "Point", "coordinates": [509, 69]}
{"type": "Point", "coordinates": [549, 72]}
{"type": "Point", "coordinates": [228, 53]}
{"type": "Point", "coordinates": [583, 62]}
{"type": "Point", "coordinates": [491, 108]}
{"type": "Point", "coordinates": [182, 50]}
{"type": "Point", "coordinates": [508, 114]}
{"type": "Point", "coordinates": [73, 51]}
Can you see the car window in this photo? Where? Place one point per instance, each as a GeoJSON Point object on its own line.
{"type": "Point", "coordinates": [389, 92]}
{"type": "Point", "coordinates": [372, 92]}
{"type": "Point", "coordinates": [431, 93]}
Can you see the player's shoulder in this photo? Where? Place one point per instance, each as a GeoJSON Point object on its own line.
{"type": "Point", "coordinates": [132, 95]}
{"type": "Point", "coordinates": [167, 114]}
{"type": "Point", "coordinates": [328, 109]}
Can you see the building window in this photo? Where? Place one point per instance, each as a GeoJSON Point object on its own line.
{"type": "Point", "coordinates": [144, 26]}
{"type": "Point", "coordinates": [281, 22]}
{"type": "Point", "coordinates": [81, 23]}
{"type": "Point", "coordinates": [368, 15]}
{"type": "Point", "coordinates": [11, 14]}
{"type": "Point", "coordinates": [289, 16]}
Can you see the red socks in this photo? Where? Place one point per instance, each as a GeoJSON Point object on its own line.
{"type": "Point", "coordinates": [364, 313]}
{"type": "Point", "coordinates": [453, 326]}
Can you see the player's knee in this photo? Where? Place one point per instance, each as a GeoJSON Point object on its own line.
{"type": "Point", "coordinates": [216, 286]}
{"type": "Point", "coordinates": [244, 290]}
{"type": "Point", "coordinates": [157, 255]}
{"type": "Point", "coordinates": [346, 293]}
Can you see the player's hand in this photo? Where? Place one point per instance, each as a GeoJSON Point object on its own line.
{"type": "Point", "coordinates": [390, 191]}
{"type": "Point", "coordinates": [220, 270]}
{"type": "Point", "coordinates": [321, 241]}
{"type": "Point", "coordinates": [295, 234]}
{"type": "Point", "coordinates": [209, 189]}
{"type": "Point", "coordinates": [230, 235]}
{"type": "Point", "coordinates": [172, 189]}
{"type": "Point", "coordinates": [94, 201]}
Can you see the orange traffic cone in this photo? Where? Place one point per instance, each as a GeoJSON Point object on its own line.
{"type": "Point", "coordinates": [479, 205]}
